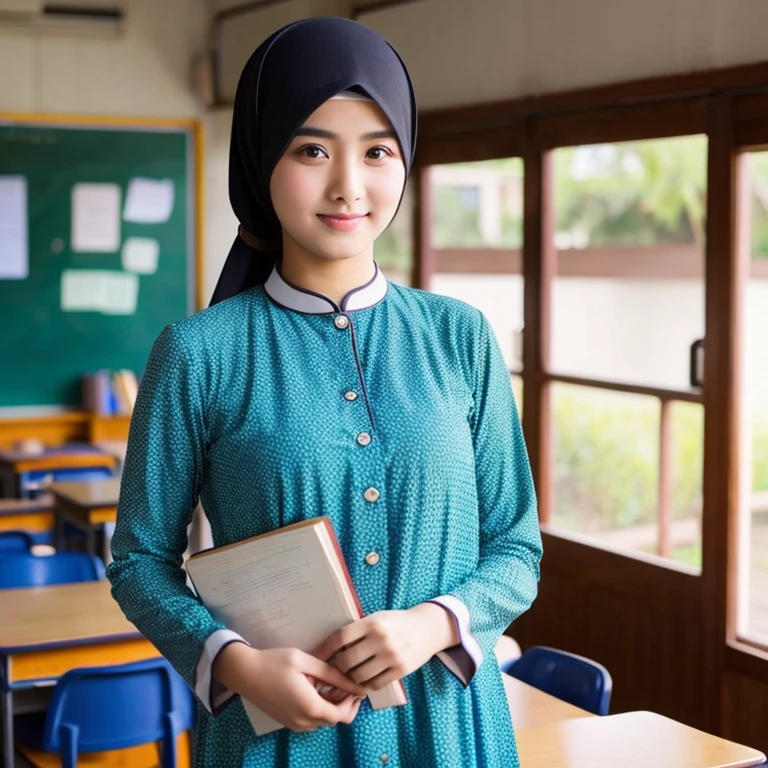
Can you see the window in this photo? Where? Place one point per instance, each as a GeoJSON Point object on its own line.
{"type": "Point", "coordinates": [394, 247]}
{"type": "Point", "coordinates": [628, 308]}
{"type": "Point", "coordinates": [476, 234]}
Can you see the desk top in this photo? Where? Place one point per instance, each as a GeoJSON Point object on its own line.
{"type": "Point", "coordinates": [65, 457]}
{"type": "Point", "coordinates": [65, 614]}
{"type": "Point", "coordinates": [530, 707]}
{"type": "Point", "coordinates": [630, 740]}
{"type": "Point", "coordinates": [42, 503]}
{"type": "Point", "coordinates": [89, 494]}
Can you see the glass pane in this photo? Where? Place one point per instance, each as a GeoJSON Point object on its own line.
{"type": "Point", "coordinates": [394, 247]}
{"type": "Point", "coordinates": [477, 209]}
{"type": "Point", "coordinates": [628, 299]}
{"type": "Point", "coordinates": [753, 552]}
{"type": "Point", "coordinates": [606, 452]}
{"type": "Point", "coordinates": [685, 468]}
{"type": "Point", "coordinates": [477, 205]}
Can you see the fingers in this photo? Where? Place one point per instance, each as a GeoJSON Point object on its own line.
{"type": "Point", "coordinates": [368, 671]}
{"type": "Point", "coordinates": [327, 673]}
{"type": "Point", "coordinates": [358, 654]}
{"type": "Point", "coordinates": [335, 642]}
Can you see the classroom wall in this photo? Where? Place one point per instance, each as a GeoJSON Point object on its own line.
{"type": "Point", "coordinates": [463, 53]}
{"type": "Point", "coordinates": [144, 72]}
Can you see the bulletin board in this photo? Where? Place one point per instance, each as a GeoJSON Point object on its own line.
{"type": "Point", "coordinates": [99, 248]}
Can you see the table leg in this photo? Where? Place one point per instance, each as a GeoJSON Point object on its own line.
{"type": "Point", "coordinates": [90, 540]}
{"type": "Point", "coordinates": [59, 537]}
{"type": "Point", "coordinates": [7, 727]}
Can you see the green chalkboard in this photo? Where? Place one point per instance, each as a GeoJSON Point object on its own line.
{"type": "Point", "coordinates": [48, 341]}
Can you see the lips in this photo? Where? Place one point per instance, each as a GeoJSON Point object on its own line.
{"type": "Point", "coordinates": [342, 223]}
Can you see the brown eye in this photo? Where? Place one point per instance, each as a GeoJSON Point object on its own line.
{"type": "Point", "coordinates": [313, 152]}
{"type": "Point", "coordinates": [377, 153]}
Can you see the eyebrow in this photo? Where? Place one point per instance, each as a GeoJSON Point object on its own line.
{"type": "Point", "coordinates": [321, 133]}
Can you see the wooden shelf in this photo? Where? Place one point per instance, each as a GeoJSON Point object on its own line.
{"type": "Point", "coordinates": [67, 427]}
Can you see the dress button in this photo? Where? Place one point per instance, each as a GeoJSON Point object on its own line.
{"type": "Point", "coordinates": [371, 494]}
{"type": "Point", "coordinates": [341, 322]}
{"type": "Point", "coordinates": [372, 558]}
{"type": "Point", "coordinates": [363, 438]}
{"type": "Point", "coordinates": [384, 758]}
{"type": "Point", "coordinates": [350, 396]}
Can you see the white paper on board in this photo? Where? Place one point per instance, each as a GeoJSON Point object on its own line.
{"type": "Point", "coordinates": [140, 255]}
{"type": "Point", "coordinates": [99, 290]}
{"type": "Point", "coordinates": [149, 201]}
{"type": "Point", "coordinates": [121, 294]}
{"type": "Point", "coordinates": [14, 240]}
{"type": "Point", "coordinates": [96, 218]}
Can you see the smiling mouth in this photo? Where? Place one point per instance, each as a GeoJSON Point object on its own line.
{"type": "Point", "coordinates": [342, 223]}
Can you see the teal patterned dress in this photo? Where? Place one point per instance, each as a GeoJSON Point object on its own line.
{"type": "Point", "coordinates": [256, 407]}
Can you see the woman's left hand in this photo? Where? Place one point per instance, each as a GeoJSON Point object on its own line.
{"type": "Point", "coordinates": [388, 645]}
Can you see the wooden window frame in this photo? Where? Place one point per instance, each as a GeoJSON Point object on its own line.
{"type": "Point", "coordinates": [731, 109]}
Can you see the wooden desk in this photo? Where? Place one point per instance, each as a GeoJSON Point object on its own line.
{"type": "Point", "coordinates": [47, 631]}
{"type": "Point", "coordinates": [87, 506]}
{"type": "Point", "coordinates": [530, 707]}
{"type": "Point", "coordinates": [14, 464]}
{"type": "Point", "coordinates": [32, 515]}
{"type": "Point", "coordinates": [630, 740]}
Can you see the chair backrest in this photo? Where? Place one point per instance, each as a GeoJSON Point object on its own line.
{"type": "Point", "coordinates": [95, 709]}
{"type": "Point", "coordinates": [575, 679]}
{"type": "Point", "coordinates": [27, 570]}
{"type": "Point", "coordinates": [15, 541]}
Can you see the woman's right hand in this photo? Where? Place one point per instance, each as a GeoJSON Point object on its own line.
{"type": "Point", "coordinates": [281, 683]}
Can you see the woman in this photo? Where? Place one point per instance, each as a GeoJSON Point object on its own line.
{"type": "Point", "coordinates": [311, 387]}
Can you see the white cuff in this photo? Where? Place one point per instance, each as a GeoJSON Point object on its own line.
{"type": "Point", "coordinates": [465, 658]}
{"type": "Point", "coordinates": [212, 693]}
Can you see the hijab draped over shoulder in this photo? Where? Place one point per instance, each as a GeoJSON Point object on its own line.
{"type": "Point", "coordinates": [287, 78]}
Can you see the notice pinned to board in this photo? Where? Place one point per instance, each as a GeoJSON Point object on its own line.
{"type": "Point", "coordinates": [99, 290]}
{"type": "Point", "coordinates": [140, 255]}
{"type": "Point", "coordinates": [14, 238]}
{"type": "Point", "coordinates": [149, 201]}
{"type": "Point", "coordinates": [95, 218]}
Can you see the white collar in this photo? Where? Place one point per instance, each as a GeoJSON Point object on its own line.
{"type": "Point", "coordinates": [311, 303]}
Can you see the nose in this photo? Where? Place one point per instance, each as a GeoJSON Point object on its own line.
{"type": "Point", "coordinates": [346, 183]}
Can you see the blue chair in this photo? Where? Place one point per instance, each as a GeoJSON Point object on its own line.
{"type": "Point", "coordinates": [27, 570]}
{"type": "Point", "coordinates": [97, 709]}
{"type": "Point", "coordinates": [15, 541]}
{"type": "Point", "coordinates": [575, 679]}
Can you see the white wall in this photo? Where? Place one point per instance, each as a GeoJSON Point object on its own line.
{"type": "Point", "coordinates": [220, 221]}
{"type": "Point", "coordinates": [239, 35]}
{"type": "Point", "coordinates": [462, 52]}
{"type": "Point", "coordinates": [144, 72]}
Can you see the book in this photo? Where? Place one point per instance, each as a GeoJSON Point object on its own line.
{"type": "Point", "coordinates": [288, 588]}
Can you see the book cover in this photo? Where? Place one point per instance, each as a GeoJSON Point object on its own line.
{"type": "Point", "coordinates": [288, 588]}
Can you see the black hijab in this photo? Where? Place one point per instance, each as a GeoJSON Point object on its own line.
{"type": "Point", "coordinates": [287, 78]}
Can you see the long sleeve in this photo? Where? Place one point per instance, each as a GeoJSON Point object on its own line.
{"type": "Point", "coordinates": [504, 583]}
{"type": "Point", "coordinates": [164, 468]}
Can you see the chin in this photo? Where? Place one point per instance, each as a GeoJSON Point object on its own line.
{"type": "Point", "coordinates": [338, 250]}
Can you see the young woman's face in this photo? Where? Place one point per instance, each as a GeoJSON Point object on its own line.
{"type": "Point", "coordinates": [338, 184]}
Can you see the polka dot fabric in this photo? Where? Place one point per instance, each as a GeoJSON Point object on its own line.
{"type": "Point", "coordinates": [246, 406]}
